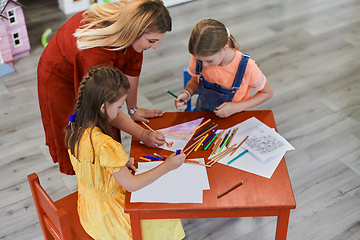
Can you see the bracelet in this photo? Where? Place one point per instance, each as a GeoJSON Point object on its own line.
{"type": "Point", "coordinates": [188, 93]}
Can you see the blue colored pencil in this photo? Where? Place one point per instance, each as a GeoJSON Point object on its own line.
{"type": "Point", "coordinates": [208, 138]}
{"type": "Point", "coordinates": [161, 157]}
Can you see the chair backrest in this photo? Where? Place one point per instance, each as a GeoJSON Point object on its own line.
{"type": "Point", "coordinates": [187, 78]}
{"type": "Point", "coordinates": [54, 221]}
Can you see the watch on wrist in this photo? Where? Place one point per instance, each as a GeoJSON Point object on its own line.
{"type": "Point", "coordinates": [132, 111]}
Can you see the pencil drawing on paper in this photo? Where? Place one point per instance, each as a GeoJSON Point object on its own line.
{"type": "Point", "coordinates": [264, 144]}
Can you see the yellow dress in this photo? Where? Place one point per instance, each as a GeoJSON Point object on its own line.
{"type": "Point", "coordinates": [101, 197]}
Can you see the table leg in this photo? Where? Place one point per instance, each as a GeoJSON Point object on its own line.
{"type": "Point", "coordinates": [135, 226]}
{"type": "Point", "coordinates": [282, 225]}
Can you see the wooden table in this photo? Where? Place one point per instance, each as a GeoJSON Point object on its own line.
{"type": "Point", "coordinates": [257, 197]}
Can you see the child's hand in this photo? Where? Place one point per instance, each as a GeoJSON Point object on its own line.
{"type": "Point", "coordinates": [130, 164]}
{"type": "Point", "coordinates": [153, 139]}
{"type": "Point", "coordinates": [175, 161]}
{"type": "Point", "coordinates": [180, 105]}
{"type": "Point", "coordinates": [227, 109]}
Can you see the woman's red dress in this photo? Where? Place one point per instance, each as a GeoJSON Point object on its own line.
{"type": "Point", "coordinates": [60, 70]}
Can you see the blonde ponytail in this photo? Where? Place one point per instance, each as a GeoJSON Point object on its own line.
{"type": "Point", "coordinates": [119, 24]}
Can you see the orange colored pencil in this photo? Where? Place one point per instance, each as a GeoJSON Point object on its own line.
{"type": "Point", "coordinates": [200, 125]}
{"type": "Point", "coordinates": [145, 159]}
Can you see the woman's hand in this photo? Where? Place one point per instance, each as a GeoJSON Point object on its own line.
{"type": "Point", "coordinates": [142, 114]}
{"type": "Point", "coordinates": [152, 139]}
{"type": "Point", "coordinates": [227, 109]}
{"type": "Point", "coordinates": [130, 164]}
{"type": "Point", "coordinates": [174, 161]}
{"type": "Point", "coordinates": [179, 104]}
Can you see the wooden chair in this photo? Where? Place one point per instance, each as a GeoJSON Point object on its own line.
{"type": "Point", "coordinates": [59, 219]}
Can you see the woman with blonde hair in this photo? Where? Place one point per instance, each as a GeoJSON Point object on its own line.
{"type": "Point", "coordinates": [112, 34]}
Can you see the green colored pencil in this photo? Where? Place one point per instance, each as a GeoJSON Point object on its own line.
{"type": "Point", "coordinates": [211, 141]}
{"type": "Point", "coordinates": [237, 156]}
{"type": "Point", "coordinates": [176, 97]}
{"type": "Point", "coordinates": [224, 144]}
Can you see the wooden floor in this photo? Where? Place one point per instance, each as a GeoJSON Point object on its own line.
{"type": "Point", "coordinates": [309, 50]}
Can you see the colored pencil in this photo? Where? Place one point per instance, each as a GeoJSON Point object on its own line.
{"type": "Point", "coordinates": [225, 142]}
{"type": "Point", "coordinates": [196, 163]}
{"type": "Point", "coordinates": [239, 145]}
{"type": "Point", "coordinates": [154, 132]}
{"type": "Point", "coordinates": [231, 137]}
{"type": "Point", "coordinates": [176, 97]}
{"type": "Point", "coordinates": [145, 159]}
{"type": "Point", "coordinates": [187, 154]}
{"type": "Point", "coordinates": [242, 153]}
{"type": "Point", "coordinates": [211, 141]}
{"type": "Point", "coordinates": [219, 156]}
{"type": "Point", "coordinates": [194, 143]}
{"type": "Point", "coordinates": [208, 138]}
{"type": "Point", "coordinates": [161, 157]}
{"type": "Point", "coordinates": [217, 140]}
{"type": "Point", "coordinates": [208, 130]}
{"type": "Point", "coordinates": [200, 143]}
{"type": "Point", "coordinates": [200, 125]}
{"type": "Point", "coordinates": [216, 146]}
{"type": "Point", "coordinates": [197, 134]}
{"type": "Point", "coordinates": [230, 189]}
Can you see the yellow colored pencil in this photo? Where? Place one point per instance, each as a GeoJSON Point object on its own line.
{"type": "Point", "coordinates": [201, 143]}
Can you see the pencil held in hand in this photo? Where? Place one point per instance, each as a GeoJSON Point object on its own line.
{"type": "Point", "coordinates": [168, 144]}
{"type": "Point", "coordinates": [176, 96]}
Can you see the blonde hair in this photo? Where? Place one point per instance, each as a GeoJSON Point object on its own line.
{"type": "Point", "coordinates": [208, 37]}
{"type": "Point", "coordinates": [119, 24]}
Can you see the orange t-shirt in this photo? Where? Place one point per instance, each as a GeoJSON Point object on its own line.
{"type": "Point", "coordinates": [225, 75]}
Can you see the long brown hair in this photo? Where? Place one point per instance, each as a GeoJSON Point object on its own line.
{"type": "Point", "coordinates": [208, 37]}
{"type": "Point", "coordinates": [119, 24]}
{"type": "Point", "coordinates": [102, 85]}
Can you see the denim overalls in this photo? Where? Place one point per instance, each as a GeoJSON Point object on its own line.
{"type": "Point", "coordinates": [212, 95]}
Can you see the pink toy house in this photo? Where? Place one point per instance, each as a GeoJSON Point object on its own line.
{"type": "Point", "coordinates": [14, 40]}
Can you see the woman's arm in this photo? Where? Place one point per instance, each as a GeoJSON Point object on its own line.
{"type": "Point", "coordinates": [229, 108]}
{"type": "Point", "coordinates": [135, 182]}
{"type": "Point", "coordinates": [149, 138]}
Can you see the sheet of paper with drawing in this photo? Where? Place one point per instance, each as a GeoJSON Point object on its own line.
{"type": "Point", "coordinates": [174, 187]}
{"type": "Point", "coordinates": [179, 134]}
{"type": "Point", "coordinates": [265, 148]}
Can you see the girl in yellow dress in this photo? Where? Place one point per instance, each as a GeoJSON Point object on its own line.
{"type": "Point", "coordinates": [103, 169]}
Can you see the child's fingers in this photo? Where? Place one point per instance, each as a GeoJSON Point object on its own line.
{"type": "Point", "coordinates": [132, 167]}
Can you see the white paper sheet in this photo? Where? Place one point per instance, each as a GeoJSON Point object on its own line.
{"type": "Point", "coordinates": [263, 142]}
{"type": "Point", "coordinates": [266, 148]}
{"type": "Point", "coordinates": [249, 164]}
{"type": "Point", "coordinates": [182, 185]}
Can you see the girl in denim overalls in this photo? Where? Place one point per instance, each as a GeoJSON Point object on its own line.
{"type": "Point", "coordinates": [221, 75]}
